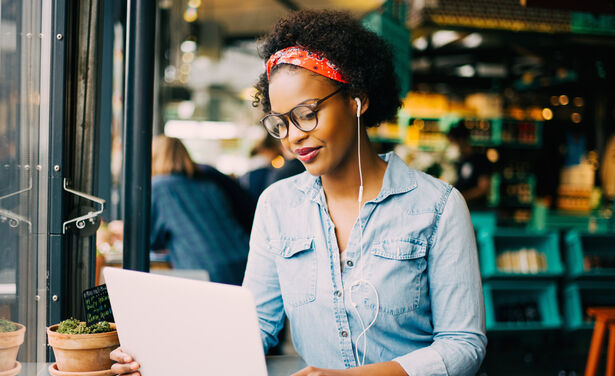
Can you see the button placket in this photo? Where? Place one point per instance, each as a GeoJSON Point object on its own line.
{"type": "Point", "coordinates": [338, 293]}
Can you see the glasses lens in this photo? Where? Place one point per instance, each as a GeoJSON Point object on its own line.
{"type": "Point", "coordinates": [304, 117]}
{"type": "Point", "coordinates": [275, 125]}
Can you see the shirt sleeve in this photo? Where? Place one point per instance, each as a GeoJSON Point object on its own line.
{"type": "Point", "coordinates": [458, 311]}
{"type": "Point", "coordinates": [261, 277]}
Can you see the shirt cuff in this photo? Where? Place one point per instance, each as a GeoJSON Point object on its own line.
{"type": "Point", "coordinates": [423, 362]}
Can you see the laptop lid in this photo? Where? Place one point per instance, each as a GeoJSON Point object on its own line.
{"type": "Point", "coordinates": [176, 326]}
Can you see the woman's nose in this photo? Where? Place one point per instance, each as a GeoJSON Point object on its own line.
{"type": "Point", "coordinates": [295, 135]}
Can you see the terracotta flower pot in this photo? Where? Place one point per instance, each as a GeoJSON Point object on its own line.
{"type": "Point", "coordinates": [83, 352]}
{"type": "Point", "coordinates": [9, 347]}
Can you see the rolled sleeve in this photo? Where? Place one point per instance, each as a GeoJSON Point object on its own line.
{"type": "Point", "coordinates": [425, 361]}
{"type": "Point", "coordinates": [458, 312]}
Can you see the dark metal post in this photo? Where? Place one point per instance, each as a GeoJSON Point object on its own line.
{"type": "Point", "coordinates": [103, 175]}
{"type": "Point", "coordinates": [138, 110]}
{"type": "Point", "coordinates": [56, 254]}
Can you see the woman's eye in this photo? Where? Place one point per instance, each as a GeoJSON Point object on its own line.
{"type": "Point", "coordinates": [307, 115]}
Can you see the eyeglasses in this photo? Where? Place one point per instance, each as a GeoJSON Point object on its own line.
{"type": "Point", "coordinates": [303, 116]}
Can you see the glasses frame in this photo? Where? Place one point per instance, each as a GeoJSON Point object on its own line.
{"type": "Point", "coordinates": [287, 115]}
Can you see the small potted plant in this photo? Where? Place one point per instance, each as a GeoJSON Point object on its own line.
{"type": "Point", "coordinates": [81, 348]}
{"type": "Point", "coordinates": [11, 337]}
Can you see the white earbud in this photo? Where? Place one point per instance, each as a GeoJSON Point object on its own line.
{"type": "Point", "coordinates": [356, 99]}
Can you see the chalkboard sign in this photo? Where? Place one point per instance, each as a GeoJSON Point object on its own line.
{"type": "Point", "coordinates": [97, 305]}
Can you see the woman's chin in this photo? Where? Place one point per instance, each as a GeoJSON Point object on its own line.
{"type": "Point", "coordinates": [314, 169]}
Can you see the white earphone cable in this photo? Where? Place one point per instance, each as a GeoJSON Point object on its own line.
{"type": "Point", "coordinates": [362, 259]}
{"type": "Point", "coordinates": [359, 153]}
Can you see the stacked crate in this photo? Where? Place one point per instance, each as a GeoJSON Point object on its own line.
{"type": "Point", "coordinates": [520, 271]}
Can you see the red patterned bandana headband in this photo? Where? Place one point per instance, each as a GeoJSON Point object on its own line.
{"type": "Point", "coordinates": [310, 60]}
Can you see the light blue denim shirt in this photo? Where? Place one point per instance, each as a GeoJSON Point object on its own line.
{"type": "Point", "coordinates": [419, 251]}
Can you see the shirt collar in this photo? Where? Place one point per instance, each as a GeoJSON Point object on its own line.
{"type": "Point", "coordinates": [398, 178]}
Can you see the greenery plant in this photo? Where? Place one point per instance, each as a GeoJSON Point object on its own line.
{"type": "Point", "coordinates": [74, 326]}
{"type": "Point", "coordinates": [7, 326]}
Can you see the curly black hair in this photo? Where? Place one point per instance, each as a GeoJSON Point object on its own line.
{"type": "Point", "coordinates": [363, 57]}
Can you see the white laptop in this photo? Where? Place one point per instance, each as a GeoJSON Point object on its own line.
{"type": "Point", "coordinates": [177, 326]}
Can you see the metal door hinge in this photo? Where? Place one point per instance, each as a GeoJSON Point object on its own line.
{"type": "Point", "coordinates": [91, 216]}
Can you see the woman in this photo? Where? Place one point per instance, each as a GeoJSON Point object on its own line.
{"type": "Point", "coordinates": [374, 264]}
{"type": "Point", "coordinates": [192, 217]}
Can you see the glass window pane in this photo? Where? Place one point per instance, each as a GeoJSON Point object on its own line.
{"type": "Point", "coordinates": [24, 65]}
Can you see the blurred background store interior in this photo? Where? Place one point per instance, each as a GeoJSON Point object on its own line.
{"type": "Point", "coordinates": [534, 86]}
{"type": "Point", "coordinates": [530, 81]}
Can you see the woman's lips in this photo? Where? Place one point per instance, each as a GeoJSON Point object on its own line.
{"type": "Point", "coordinates": [306, 155]}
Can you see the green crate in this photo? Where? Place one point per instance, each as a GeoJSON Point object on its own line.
{"type": "Point", "coordinates": [511, 201]}
{"type": "Point", "coordinates": [581, 244]}
{"type": "Point", "coordinates": [483, 220]}
{"type": "Point", "coordinates": [578, 296]}
{"type": "Point", "coordinates": [497, 199]}
{"type": "Point", "coordinates": [583, 222]}
{"type": "Point", "coordinates": [589, 23]}
{"type": "Point", "coordinates": [397, 36]}
{"type": "Point", "coordinates": [496, 135]}
{"type": "Point", "coordinates": [502, 293]}
{"type": "Point", "coordinates": [492, 244]}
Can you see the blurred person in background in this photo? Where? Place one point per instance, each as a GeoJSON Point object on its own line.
{"type": "Point", "coordinates": [243, 204]}
{"type": "Point", "coordinates": [262, 157]}
{"type": "Point", "coordinates": [473, 169]}
{"type": "Point", "coordinates": [291, 167]}
{"type": "Point", "coordinates": [270, 163]}
{"type": "Point", "coordinates": [192, 217]}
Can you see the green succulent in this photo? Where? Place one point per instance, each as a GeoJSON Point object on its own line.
{"type": "Point", "coordinates": [100, 327]}
{"type": "Point", "coordinates": [7, 326]}
{"type": "Point", "coordinates": [74, 326]}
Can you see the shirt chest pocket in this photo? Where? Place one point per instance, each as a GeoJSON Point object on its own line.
{"type": "Point", "coordinates": [398, 270]}
{"type": "Point", "coordinates": [296, 267]}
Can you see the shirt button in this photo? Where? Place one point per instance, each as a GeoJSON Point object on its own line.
{"type": "Point", "coordinates": [344, 333]}
{"type": "Point", "coordinates": [349, 263]}
{"type": "Point", "coordinates": [338, 293]}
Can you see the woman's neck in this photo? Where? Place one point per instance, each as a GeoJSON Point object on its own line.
{"type": "Point", "coordinates": [344, 183]}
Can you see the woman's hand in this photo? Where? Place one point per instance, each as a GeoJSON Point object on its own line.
{"type": "Point", "coordinates": [125, 364]}
{"type": "Point", "coordinates": [313, 371]}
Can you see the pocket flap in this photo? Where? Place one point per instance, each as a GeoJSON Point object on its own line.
{"type": "Point", "coordinates": [291, 247]}
{"type": "Point", "coordinates": [405, 249]}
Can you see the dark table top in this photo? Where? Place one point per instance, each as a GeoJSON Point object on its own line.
{"type": "Point", "coordinates": [283, 365]}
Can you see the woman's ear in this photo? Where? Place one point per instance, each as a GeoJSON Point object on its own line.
{"type": "Point", "coordinates": [364, 103]}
